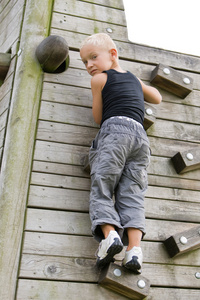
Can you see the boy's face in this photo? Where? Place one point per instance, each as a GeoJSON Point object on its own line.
{"type": "Point", "coordinates": [96, 59]}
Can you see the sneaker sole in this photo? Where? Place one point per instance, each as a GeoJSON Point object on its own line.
{"type": "Point", "coordinates": [114, 249]}
{"type": "Point", "coordinates": [133, 266]}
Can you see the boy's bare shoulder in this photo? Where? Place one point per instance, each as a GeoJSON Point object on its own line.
{"type": "Point", "coordinates": [99, 79]}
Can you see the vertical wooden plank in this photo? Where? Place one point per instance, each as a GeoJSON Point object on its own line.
{"type": "Point", "coordinates": [19, 142]}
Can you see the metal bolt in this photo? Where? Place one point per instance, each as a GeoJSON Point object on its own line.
{"type": "Point", "coordinates": [183, 240]}
{"type": "Point", "coordinates": [141, 284]}
{"type": "Point", "coordinates": [117, 272]}
{"type": "Point", "coordinates": [149, 111]}
{"type": "Point", "coordinates": [190, 156]}
{"type": "Point", "coordinates": [186, 80]}
{"type": "Point", "coordinates": [197, 275]}
{"type": "Point", "coordinates": [109, 30]}
{"type": "Point", "coordinates": [166, 71]}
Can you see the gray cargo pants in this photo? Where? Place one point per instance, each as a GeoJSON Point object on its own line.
{"type": "Point", "coordinates": [119, 158]}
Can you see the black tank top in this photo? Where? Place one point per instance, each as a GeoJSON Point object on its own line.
{"type": "Point", "coordinates": [122, 96]}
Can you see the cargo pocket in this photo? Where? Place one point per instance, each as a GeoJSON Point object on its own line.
{"type": "Point", "coordinates": [93, 156]}
{"type": "Point", "coordinates": [140, 177]}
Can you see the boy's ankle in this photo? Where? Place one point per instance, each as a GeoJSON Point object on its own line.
{"type": "Point", "coordinates": [131, 247]}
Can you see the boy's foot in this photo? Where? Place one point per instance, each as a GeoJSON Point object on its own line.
{"type": "Point", "coordinates": [133, 260]}
{"type": "Point", "coordinates": [108, 248]}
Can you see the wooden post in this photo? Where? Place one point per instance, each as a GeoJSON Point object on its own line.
{"type": "Point", "coordinates": [124, 282]}
{"type": "Point", "coordinates": [5, 59]}
{"type": "Point", "coordinates": [19, 142]}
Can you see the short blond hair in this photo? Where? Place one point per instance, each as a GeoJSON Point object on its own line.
{"type": "Point", "coordinates": [100, 40]}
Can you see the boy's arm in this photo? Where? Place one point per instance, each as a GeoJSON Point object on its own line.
{"type": "Point", "coordinates": [97, 83]}
{"type": "Point", "coordinates": [151, 94]}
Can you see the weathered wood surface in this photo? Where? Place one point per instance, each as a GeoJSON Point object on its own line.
{"type": "Point", "coordinates": [38, 290]}
{"type": "Point", "coordinates": [58, 254]}
{"type": "Point", "coordinates": [75, 154]}
{"type": "Point", "coordinates": [8, 32]}
{"type": "Point", "coordinates": [139, 53]}
{"type": "Point", "coordinates": [54, 244]}
{"type": "Point", "coordinates": [107, 11]}
{"type": "Point", "coordinates": [83, 136]}
{"type": "Point", "coordinates": [126, 50]}
{"type": "Point", "coordinates": [70, 265]}
{"type": "Point", "coordinates": [79, 223]}
{"type": "Point", "coordinates": [45, 197]}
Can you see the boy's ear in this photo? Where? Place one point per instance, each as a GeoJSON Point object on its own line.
{"type": "Point", "coordinates": [113, 53]}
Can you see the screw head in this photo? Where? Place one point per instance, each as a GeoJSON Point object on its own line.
{"type": "Point", "coordinates": [166, 71]}
{"type": "Point", "coordinates": [149, 111]}
{"type": "Point", "coordinates": [183, 240]}
{"type": "Point", "coordinates": [190, 156]}
{"type": "Point", "coordinates": [186, 80]}
{"type": "Point", "coordinates": [109, 30]}
{"type": "Point", "coordinates": [117, 272]}
{"type": "Point", "coordinates": [141, 284]}
{"type": "Point", "coordinates": [197, 275]}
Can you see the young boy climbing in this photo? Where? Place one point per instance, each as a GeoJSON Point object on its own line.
{"type": "Point", "coordinates": [119, 155]}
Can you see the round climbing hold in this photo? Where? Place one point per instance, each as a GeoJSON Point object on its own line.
{"type": "Point", "coordinates": [53, 54]}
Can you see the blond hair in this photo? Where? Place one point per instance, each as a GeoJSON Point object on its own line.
{"type": "Point", "coordinates": [100, 40]}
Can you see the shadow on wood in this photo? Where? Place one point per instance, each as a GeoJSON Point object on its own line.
{"type": "Point", "coordinates": [183, 242]}
{"type": "Point", "coordinates": [5, 59]}
{"type": "Point", "coordinates": [122, 281]}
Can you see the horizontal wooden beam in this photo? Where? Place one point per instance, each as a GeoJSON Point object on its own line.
{"type": "Point", "coordinates": [5, 59]}
{"type": "Point", "coordinates": [122, 281]}
{"type": "Point", "coordinates": [171, 80]}
{"type": "Point", "coordinates": [183, 242]}
{"type": "Point", "coordinates": [187, 160]}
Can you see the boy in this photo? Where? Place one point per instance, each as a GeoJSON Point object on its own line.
{"type": "Point", "coordinates": [120, 153]}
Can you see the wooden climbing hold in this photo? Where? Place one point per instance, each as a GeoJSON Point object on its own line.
{"type": "Point", "coordinates": [5, 59]}
{"type": "Point", "coordinates": [183, 242]}
{"type": "Point", "coordinates": [187, 160]}
{"type": "Point", "coordinates": [171, 80]}
{"type": "Point", "coordinates": [122, 281]}
{"type": "Point", "coordinates": [150, 115]}
{"type": "Point", "coordinates": [53, 54]}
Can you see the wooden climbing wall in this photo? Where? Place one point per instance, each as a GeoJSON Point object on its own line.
{"type": "Point", "coordinates": [57, 257]}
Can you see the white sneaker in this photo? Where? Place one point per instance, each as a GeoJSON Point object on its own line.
{"type": "Point", "coordinates": [108, 248]}
{"type": "Point", "coordinates": [133, 260]}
